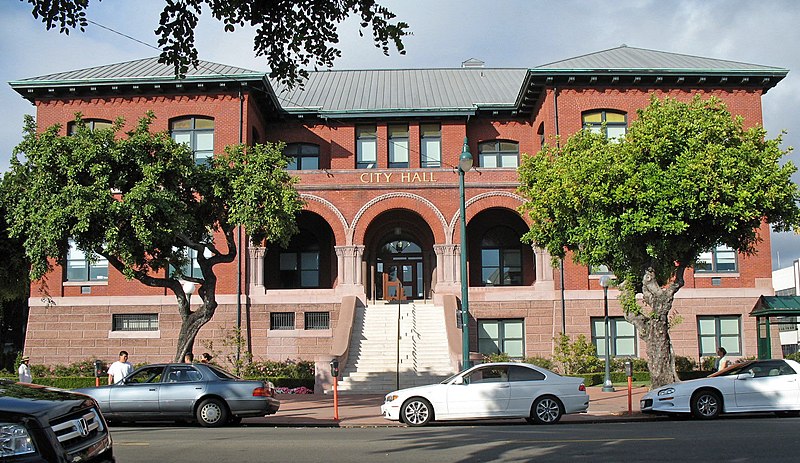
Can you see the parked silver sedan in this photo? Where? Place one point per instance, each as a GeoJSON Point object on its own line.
{"type": "Point", "coordinates": [179, 391]}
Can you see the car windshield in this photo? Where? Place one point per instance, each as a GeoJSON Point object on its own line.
{"type": "Point", "coordinates": [734, 369]}
{"type": "Point", "coordinates": [454, 376]}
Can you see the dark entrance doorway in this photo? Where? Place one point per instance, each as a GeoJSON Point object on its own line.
{"type": "Point", "coordinates": [399, 271]}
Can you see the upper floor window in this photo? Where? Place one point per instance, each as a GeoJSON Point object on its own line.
{"type": "Point", "coordinates": [366, 147]}
{"type": "Point", "coordinates": [616, 123]}
{"type": "Point", "coordinates": [91, 124]}
{"type": "Point", "coordinates": [600, 269]}
{"type": "Point", "coordinates": [501, 257]}
{"type": "Point", "coordinates": [719, 259]}
{"type": "Point", "coordinates": [302, 156]}
{"type": "Point", "coordinates": [198, 134]}
{"type": "Point", "coordinates": [398, 145]}
{"type": "Point", "coordinates": [192, 268]}
{"type": "Point", "coordinates": [82, 268]}
{"type": "Point", "coordinates": [430, 145]}
{"type": "Point", "coordinates": [499, 153]}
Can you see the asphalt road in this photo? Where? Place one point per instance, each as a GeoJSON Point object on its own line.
{"type": "Point", "coordinates": [739, 439]}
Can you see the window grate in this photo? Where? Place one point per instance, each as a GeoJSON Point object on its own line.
{"type": "Point", "coordinates": [318, 320]}
{"type": "Point", "coordinates": [134, 322]}
{"type": "Point", "coordinates": [281, 320]}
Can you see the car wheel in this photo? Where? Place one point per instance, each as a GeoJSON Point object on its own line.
{"type": "Point", "coordinates": [546, 410]}
{"type": "Point", "coordinates": [788, 413]}
{"type": "Point", "coordinates": [211, 413]}
{"type": "Point", "coordinates": [417, 412]}
{"type": "Point", "coordinates": [706, 405]}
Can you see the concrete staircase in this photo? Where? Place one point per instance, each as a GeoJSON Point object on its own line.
{"type": "Point", "coordinates": [378, 358]}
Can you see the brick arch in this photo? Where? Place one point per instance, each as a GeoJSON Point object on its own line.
{"type": "Point", "coordinates": [483, 201]}
{"type": "Point", "coordinates": [331, 214]}
{"type": "Point", "coordinates": [430, 213]}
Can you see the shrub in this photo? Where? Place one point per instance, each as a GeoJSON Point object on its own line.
{"type": "Point", "coordinates": [795, 356]}
{"type": "Point", "coordinates": [540, 361]}
{"type": "Point", "coordinates": [499, 357]}
{"type": "Point", "coordinates": [576, 357]}
{"type": "Point", "coordinates": [684, 363]}
{"type": "Point", "coordinates": [708, 363]}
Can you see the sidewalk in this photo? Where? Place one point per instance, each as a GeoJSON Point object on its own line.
{"type": "Point", "coordinates": [355, 410]}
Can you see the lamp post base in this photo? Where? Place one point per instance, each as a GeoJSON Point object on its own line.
{"type": "Point", "coordinates": [607, 387]}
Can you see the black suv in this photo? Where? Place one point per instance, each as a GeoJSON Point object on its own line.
{"type": "Point", "coordinates": [40, 423]}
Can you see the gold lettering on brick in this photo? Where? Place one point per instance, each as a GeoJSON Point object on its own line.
{"type": "Point", "coordinates": [405, 177]}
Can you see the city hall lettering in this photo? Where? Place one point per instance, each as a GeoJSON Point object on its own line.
{"type": "Point", "coordinates": [402, 177]}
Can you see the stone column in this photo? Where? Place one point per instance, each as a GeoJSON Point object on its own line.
{"type": "Point", "coordinates": [544, 269]}
{"type": "Point", "coordinates": [349, 263]}
{"type": "Point", "coordinates": [448, 264]}
{"type": "Point", "coordinates": [257, 265]}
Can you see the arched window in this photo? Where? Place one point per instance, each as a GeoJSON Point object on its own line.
{"type": "Point", "coordinates": [616, 123]}
{"type": "Point", "coordinates": [91, 124]}
{"type": "Point", "coordinates": [302, 156]}
{"type": "Point", "coordinates": [501, 257]}
{"type": "Point", "coordinates": [198, 134]}
{"type": "Point", "coordinates": [499, 153]}
{"type": "Point", "coordinates": [299, 262]}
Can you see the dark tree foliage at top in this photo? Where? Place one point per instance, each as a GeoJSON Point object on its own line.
{"type": "Point", "coordinates": [290, 34]}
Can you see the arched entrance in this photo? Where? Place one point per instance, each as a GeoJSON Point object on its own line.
{"type": "Point", "coordinates": [399, 257]}
{"type": "Point", "coordinates": [399, 271]}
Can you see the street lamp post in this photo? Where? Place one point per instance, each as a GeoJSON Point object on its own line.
{"type": "Point", "coordinates": [607, 387]}
{"type": "Point", "coordinates": [464, 165]}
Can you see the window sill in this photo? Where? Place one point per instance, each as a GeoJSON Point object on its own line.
{"type": "Point", "coordinates": [134, 334]}
{"type": "Point", "coordinates": [716, 274]}
{"type": "Point", "coordinates": [86, 283]}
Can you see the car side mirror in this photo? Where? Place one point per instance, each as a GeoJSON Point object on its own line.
{"type": "Point", "coordinates": [747, 375]}
{"type": "Point", "coordinates": [459, 380]}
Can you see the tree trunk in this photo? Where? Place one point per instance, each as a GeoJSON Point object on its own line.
{"type": "Point", "coordinates": [653, 327]}
{"type": "Point", "coordinates": [190, 326]}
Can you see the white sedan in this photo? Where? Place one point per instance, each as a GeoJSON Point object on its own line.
{"type": "Point", "coordinates": [755, 386]}
{"type": "Point", "coordinates": [490, 390]}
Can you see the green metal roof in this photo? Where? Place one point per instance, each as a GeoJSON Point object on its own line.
{"type": "Point", "coordinates": [632, 59]}
{"type": "Point", "coordinates": [773, 306]}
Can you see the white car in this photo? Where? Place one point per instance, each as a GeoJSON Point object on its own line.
{"type": "Point", "coordinates": [755, 386]}
{"type": "Point", "coordinates": [490, 390]}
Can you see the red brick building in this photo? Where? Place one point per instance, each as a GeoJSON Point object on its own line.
{"type": "Point", "coordinates": [376, 154]}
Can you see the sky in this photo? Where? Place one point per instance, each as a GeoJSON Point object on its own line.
{"type": "Point", "coordinates": [502, 33]}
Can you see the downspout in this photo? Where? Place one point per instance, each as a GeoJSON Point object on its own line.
{"type": "Point", "coordinates": [561, 264]}
{"type": "Point", "coordinates": [239, 250]}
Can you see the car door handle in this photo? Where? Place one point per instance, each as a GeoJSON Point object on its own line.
{"type": "Point", "coordinates": [504, 385]}
{"type": "Point", "coordinates": [152, 390]}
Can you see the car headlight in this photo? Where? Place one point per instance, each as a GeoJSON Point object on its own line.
{"type": "Point", "coordinates": [667, 391]}
{"type": "Point", "coordinates": [391, 397]}
{"type": "Point", "coordinates": [15, 440]}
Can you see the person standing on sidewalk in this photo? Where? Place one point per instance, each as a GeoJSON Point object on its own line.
{"type": "Point", "coordinates": [25, 371]}
{"type": "Point", "coordinates": [119, 369]}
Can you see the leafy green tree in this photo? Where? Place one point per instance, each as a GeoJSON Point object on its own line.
{"type": "Point", "coordinates": [140, 201]}
{"type": "Point", "coordinates": [290, 34]}
{"type": "Point", "coordinates": [687, 177]}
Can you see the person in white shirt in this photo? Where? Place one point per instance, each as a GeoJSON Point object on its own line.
{"type": "Point", "coordinates": [25, 371]}
{"type": "Point", "coordinates": [723, 361]}
{"type": "Point", "coordinates": [119, 369]}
